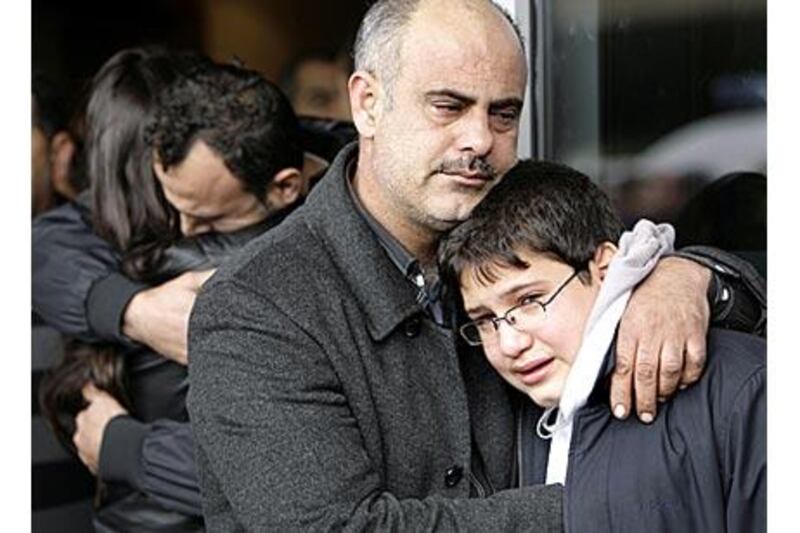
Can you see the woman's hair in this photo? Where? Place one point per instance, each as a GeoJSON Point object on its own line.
{"type": "Point", "coordinates": [60, 394]}
{"type": "Point", "coordinates": [129, 210]}
{"type": "Point", "coordinates": [128, 204]}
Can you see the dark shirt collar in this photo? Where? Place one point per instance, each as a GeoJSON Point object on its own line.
{"type": "Point", "coordinates": [430, 293]}
{"type": "Point", "coordinates": [402, 258]}
{"type": "Point", "coordinates": [332, 219]}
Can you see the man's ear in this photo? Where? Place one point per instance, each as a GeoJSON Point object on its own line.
{"type": "Point", "coordinates": [364, 91]}
{"type": "Point", "coordinates": [158, 167]}
{"type": "Point", "coordinates": [62, 149]}
{"type": "Point", "coordinates": [603, 255]}
{"type": "Point", "coordinates": [286, 188]}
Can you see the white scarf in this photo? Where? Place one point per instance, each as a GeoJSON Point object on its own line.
{"type": "Point", "coordinates": [639, 251]}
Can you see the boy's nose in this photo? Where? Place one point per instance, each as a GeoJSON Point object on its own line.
{"type": "Point", "coordinates": [511, 340]}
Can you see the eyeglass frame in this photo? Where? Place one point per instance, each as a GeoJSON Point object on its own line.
{"type": "Point", "coordinates": [504, 318]}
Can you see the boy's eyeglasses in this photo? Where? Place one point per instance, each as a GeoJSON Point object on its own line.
{"type": "Point", "coordinates": [529, 313]}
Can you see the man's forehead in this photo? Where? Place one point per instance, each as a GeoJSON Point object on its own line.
{"type": "Point", "coordinates": [462, 20]}
{"type": "Point", "coordinates": [478, 47]}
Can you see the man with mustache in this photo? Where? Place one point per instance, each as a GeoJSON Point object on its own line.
{"type": "Point", "coordinates": [333, 393]}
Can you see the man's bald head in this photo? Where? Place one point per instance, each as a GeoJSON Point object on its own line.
{"type": "Point", "coordinates": [378, 44]}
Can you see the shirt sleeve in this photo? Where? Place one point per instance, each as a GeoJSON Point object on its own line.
{"type": "Point", "coordinates": [738, 295]}
{"type": "Point", "coordinates": [279, 445]}
{"type": "Point", "coordinates": [76, 286]}
{"type": "Point", "coordinates": [157, 459]}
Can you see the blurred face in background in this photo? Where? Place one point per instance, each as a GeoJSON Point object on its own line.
{"type": "Point", "coordinates": [207, 195]}
{"type": "Point", "coordinates": [51, 162]}
{"type": "Point", "coordinates": [41, 190]}
{"type": "Point", "coordinates": [320, 90]}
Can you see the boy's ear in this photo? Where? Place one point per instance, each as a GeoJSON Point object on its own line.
{"type": "Point", "coordinates": [602, 258]}
{"type": "Point", "coordinates": [364, 90]}
{"type": "Point", "coordinates": [286, 187]}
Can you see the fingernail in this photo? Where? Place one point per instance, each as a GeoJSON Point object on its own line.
{"type": "Point", "coordinates": [619, 411]}
{"type": "Point", "coordinates": [647, 418]}
{"type": "Point", "coordinates": [683, 386]}
{"type": "Point", "coordinates": [661, 399]}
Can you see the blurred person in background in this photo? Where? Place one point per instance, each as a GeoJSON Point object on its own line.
{"type": "Point", "coordinates": [57, 176]}
{"type": "Point", "coordinates": [729, 213]}
{"type": "Point", "coordinates": [316, 84]}
{"type": "Point", "coordinates": [189, 160]}
{"type": "Point", "coordinates": [53, 147]}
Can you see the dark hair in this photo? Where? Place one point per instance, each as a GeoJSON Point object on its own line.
{"type": "Point", "coordinates": [288, 75]}
{"type": "Point", "coordinates": [129, 210]}
{"type": "Point", "coordinates": [60, 394]}
{"type": "Point", "coordinates": [53, 111]}
{"type": "Point", "coordinates": [540, 207]}
{"type": "Point", "coordinates": [242, 117]}
{"type": "Point", "coordinates": [129, 207]}
{"type": "Point", "coordinates": [49, 109]}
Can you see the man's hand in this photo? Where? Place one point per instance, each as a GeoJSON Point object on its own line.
{"type": "Point", "coordinates": [90, 424]}
{"type": "Point", "coordinates": [159, 317]}
{"type": "Point", "coordinates": [662, 337]}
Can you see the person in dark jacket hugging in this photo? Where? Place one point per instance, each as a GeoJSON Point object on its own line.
{"type": "Point", "coordinates": [189, 160]}
{"type": "Point", "coordinates": [545, 270]}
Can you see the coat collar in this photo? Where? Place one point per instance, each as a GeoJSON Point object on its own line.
{"type": "Point", "coordinates": [388, 299]}
{"type": "Point", "coordinates": [384, 294]}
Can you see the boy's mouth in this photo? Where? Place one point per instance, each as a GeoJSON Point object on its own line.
{"type": "Point", "coordinates": [534, 371]}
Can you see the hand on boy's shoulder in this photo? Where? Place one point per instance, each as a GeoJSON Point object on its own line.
{"type": "Point", "coordinates": [661, 345]}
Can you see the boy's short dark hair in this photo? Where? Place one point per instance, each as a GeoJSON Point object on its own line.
{"type": "Point", "coordinates": [539, 206]}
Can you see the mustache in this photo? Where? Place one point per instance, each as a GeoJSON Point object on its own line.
{"type": "Point", "coordinates": [465, 165]}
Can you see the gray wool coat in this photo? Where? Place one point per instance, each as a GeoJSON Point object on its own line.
{"type": "Point", "coordinates": [323, 398]}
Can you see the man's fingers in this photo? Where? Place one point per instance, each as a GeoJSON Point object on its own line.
{"type": "Point", "coordinates": [669, 369]}
{"type": "Point", "coordinates": [622, 380]}
{"type": "Point", "coordinates": [695, 360]}
{"type": "Point", "coordinates": [645, 382]}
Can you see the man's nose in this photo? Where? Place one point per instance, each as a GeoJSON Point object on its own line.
{"type": "Point", "coordinates": [512, 341]}
{"type": "Point", "coordinates": [476, 134]}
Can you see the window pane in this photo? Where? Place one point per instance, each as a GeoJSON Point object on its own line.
{"type": "Point", "coordinates": [655, 99]}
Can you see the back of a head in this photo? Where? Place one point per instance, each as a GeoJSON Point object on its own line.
{"type": "Point", "coordinates": [729, 213]}
{"type": "Point", "coordinates": [242, 117]}
{"type": "Point", "coordinates": [49, 113]}
{"type": "Point", "coordinates": [539, 206]}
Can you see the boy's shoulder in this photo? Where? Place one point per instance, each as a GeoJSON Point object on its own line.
{"type": "Point", "coordinates": [734, 377]}
{"type": "Point", "coordinates": [734, 354]}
